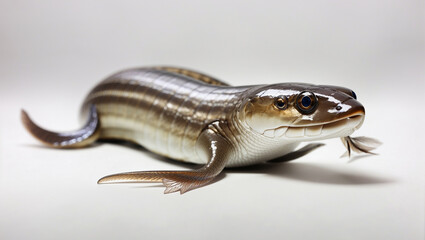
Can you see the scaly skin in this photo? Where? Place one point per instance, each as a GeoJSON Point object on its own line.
{"type": "Point", "coordinates": [192, 117]}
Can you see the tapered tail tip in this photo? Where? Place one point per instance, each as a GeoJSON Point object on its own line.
{"type": "Point", "coordinates": [24, 117]}
{"type": "Point", "coordinates": [103, 180]}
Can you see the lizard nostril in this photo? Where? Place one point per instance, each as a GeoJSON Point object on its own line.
{"type": "Point", "coordinates": [338, 108]}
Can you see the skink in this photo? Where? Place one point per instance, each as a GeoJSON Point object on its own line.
{"type": "Point", "coordinates": [189, 116]}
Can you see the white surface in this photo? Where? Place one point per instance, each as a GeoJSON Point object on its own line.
{"type": "Point", "coordinates": [52, 53]}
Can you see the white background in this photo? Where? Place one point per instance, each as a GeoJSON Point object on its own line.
{"type": "Point", "coordinates": [53, 52]}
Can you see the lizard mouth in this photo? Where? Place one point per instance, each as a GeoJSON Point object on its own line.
{"type": "Point", "coordinates": [337, 128]}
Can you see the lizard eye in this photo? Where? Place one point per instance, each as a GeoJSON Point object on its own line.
{"type": "Point", "coordinates": [306, 102]}
{"type": "Point", "coordinates": [281, 103]}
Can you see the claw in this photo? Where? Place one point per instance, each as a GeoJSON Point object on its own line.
{"type": "Point", "coordinates": [359, 145]}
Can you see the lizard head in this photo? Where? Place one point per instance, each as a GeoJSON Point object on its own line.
{"type": "Point", "coordinates": [302, 112]}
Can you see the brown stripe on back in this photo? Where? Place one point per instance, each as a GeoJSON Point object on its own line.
{"type": "Point", "coordinates": [161, 110]}
{"type": "Point", "coordinates": [195, 75]}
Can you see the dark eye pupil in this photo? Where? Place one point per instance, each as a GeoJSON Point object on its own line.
{"type": "Point", "coordinates": [280, 103]}
{"type": "Point", "coordinates": [306, 101]}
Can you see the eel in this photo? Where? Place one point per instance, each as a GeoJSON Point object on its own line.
{"type": "Point", "coordinates": [192, 117]}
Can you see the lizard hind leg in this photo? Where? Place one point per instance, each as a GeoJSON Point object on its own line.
{"type": "Point", "coordinates": [173, 181]}
{"type": "Point", "coordinates": [210, 144]}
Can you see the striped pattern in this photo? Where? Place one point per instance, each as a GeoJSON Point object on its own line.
{"type": "Point", "coordinates": [161, 110]}
{"type": "Point", "coordinates": [195, 75]}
